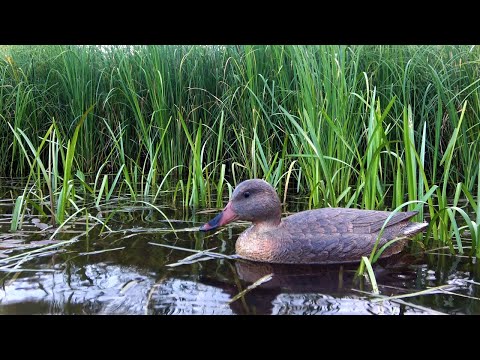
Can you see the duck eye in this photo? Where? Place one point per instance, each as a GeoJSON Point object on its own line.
{"type": "Point", "coordinates": [246, 194]}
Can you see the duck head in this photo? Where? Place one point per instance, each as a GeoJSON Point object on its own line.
{"type": "Point", "coordinates": [252, 200]}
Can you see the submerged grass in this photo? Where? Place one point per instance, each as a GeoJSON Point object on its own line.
{"type": "Point", "coordinates": [371, 127]}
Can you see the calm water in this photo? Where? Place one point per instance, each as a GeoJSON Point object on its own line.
{"type": "Point", "coordinates": [134, 279]}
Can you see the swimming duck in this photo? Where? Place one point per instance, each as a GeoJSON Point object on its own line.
{"type": "Point", "coordinates": [319, 236]}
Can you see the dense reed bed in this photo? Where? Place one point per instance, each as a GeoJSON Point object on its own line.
{"type": "Point", "coordinates": [377, 127]}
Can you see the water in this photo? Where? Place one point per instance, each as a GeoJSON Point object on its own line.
{"type": "Point", "coordinates": [133, 277]}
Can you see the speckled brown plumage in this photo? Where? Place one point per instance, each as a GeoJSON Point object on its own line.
{"type": "Point", "coordinates": [329, 235]}
{"type": "Point", "coordinates": [320, 236]}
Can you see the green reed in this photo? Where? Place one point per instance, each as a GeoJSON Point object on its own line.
{"type": "Point", "coordinates": [356, 126]}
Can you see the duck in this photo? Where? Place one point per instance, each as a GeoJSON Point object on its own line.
{"type": "Point", "coordinates": [317, 236]}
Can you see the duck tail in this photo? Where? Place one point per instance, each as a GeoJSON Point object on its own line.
{"type": "Point", "coordinates": [414, 228]}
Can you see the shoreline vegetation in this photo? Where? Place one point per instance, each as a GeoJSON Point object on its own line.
{"type": "Point", "coordinates": [373, 127]}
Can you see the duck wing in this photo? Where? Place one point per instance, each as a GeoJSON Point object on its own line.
{"type": "Point", "coordinates": [343, 220]}
{"type": "Point", "coordinates": [371, 221]}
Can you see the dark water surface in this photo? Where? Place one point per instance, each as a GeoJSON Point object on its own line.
{"type": "Point", "coordinates": [134, 279]}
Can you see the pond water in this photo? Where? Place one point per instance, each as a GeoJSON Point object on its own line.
{"type": "Point", "coordinates": [124, 272]}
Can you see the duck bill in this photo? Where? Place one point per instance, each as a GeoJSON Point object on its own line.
{"type": "Point", "coordinates": [226, 216]}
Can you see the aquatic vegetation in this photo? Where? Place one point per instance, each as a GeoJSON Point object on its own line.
{"type": "Point", "coordinates": [373, 127]}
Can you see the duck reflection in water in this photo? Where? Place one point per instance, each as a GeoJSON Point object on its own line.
{"type": "Point", "coordinates": [292, 289]}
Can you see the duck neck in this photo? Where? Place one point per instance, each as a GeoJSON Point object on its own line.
{"type": "Point", "coordinates": [272, 221]}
